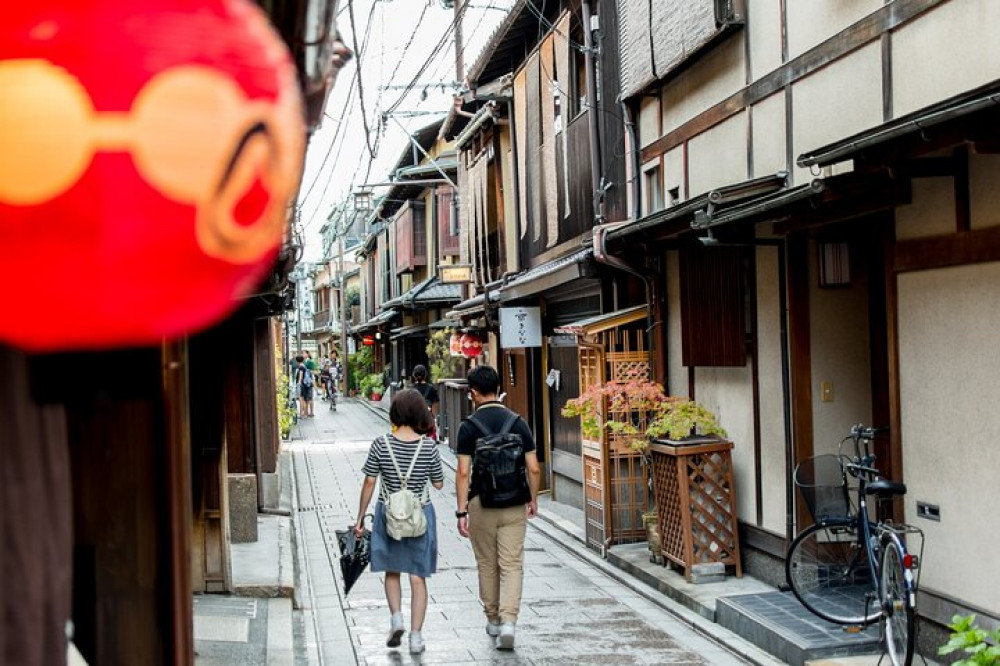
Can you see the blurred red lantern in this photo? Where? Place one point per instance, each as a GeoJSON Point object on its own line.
{"type": "Point", "coordinates": [455, 344]}
{"type": "Point", "coordinates": [368, 340]}
{"type": "Point", "coordinates": [150, 152]}
{"type": "Point", "coordinates": [472, 346]}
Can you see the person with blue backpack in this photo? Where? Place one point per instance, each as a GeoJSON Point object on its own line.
{"type": "Point", "coordinates": [496, 485]}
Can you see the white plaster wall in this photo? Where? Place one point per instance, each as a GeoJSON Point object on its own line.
{"type": "Point", "coordinates": [718, 156]}
{"type": "Point", "coordinates": [931, 212]}
{"type": "Point", "coordinates": [948, 50]}
{"type": "Point", "coordinates": [673, 174]}
{"type": "Point", "coordinates": [841, 354]}
{"type": "Point", "coordinates": [984, 190]}
{"type": "Point", "coordinates": [764, 30]}
{"type": "Point", "coordinates": [649, 120]}
{"type": "Point", "coordinates": [774, 473]}
{"type": "Point", "coordinates": [729, 393]}
{"type": "Point", "coordinates": [810, 22]}
{"type": "Point", "coordinates": [839, 100]}
{"type": "Point", "coordinates": [949, 392]}
{"type": "Point", "coordinates": [709, 81]}
{"type": "Point", "coordinates": [677, 372]}
{"type": "Point", "coordinates": [769, 136]}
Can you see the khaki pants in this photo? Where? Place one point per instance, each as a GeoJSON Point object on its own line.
{"type": "Point", "coordinates": [497, 537]}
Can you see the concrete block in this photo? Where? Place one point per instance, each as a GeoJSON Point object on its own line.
{"type": "Point", "coordinates": [270, 490]}
{"type": "Point", "coordinates": [243, 508]}
{"type": "Point", "coordinates": [710, 572]}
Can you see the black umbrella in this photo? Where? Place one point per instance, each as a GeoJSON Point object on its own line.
{"type": "Point", "coordinates": [355, 554]}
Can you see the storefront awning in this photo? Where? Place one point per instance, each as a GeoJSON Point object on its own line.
{"type": "Point", "coordinates": [981, 103]}
{"type": "Point", "coordinates": [380, 319]}
{"type": "Point", "coordinates": [678, 218]}
{"type": "Point", "coordinates": [445, 323]}
{"type": "Point", "coordinates": [603, 322]}
{"type": "Point", "coordinates": [472, 307]}
{"type": "Point", "coordinates": [548, 275]}
{"type": "Point", "coordinates": [408, 331]}
{"type": "Point", "coordinates": [427, 294]}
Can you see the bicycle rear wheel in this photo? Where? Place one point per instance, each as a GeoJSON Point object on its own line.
{"type": "Point", "coordinates": [827, 569]}
{"type": "Point", "coordinates": [897, 609]}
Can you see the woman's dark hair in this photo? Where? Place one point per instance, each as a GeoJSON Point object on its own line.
{"type": "Point", "coordinates": [484, 379]}
{"type": "Point", "coordinates": [420, 374]}
{"type": "Point", "coordinates": [409, 408]}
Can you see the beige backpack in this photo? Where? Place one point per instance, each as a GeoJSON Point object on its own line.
{"type": "Point", "coordinates": [404, 509]}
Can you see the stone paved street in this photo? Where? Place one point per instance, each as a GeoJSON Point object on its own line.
{"type": "Point", "coordinates": [572, 612]}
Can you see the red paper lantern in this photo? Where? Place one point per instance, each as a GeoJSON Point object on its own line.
{"type": "Point", "coordinates": [368, 340]}
{"type": "Point", "coordinates": [150, 151]}
{"type": "Point", "coordinates": [472, 346]}
{"type": "Point", "coordinates": [455, 344]}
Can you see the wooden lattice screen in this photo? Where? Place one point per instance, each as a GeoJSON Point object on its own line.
{"type": "Point", "coordinates": [591, 364]}
{"type": "Point", "coordinates": [627, 359]}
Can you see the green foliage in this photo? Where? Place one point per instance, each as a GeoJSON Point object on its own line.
{"type": "Point", "coordinates": [372, 384]}
{"type": "Point", "coordinates": [286, 410]}
{"type": "Point", "coordinates": [639, 411]}
{"type": "Point", "coordinates": [442, 364]}
{"type": "Point", "coordinates": [353, 296]}
{"type": "Point", "coordinates": [982, 647]}
{"type": "Point", "coordinates": [360, 365]}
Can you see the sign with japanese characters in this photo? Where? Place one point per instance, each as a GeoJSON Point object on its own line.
{"type": "Point", "coordinates": [520, 327]}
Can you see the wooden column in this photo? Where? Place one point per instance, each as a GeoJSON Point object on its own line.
{"type": "Point", "coordinates": [36, 529]}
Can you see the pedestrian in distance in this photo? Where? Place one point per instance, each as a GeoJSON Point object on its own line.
{"type": "Point", "coordinates": [304, 380]}
{"type": "Point", "coordinates": [404, 454]}
{"type": "Point", "coordinates": [430, 394]}
{"type": "Point", "coordinates": [495, 443]}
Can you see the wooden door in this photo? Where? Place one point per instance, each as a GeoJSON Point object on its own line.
{"type": "Point", "coordinates": [595, 468]}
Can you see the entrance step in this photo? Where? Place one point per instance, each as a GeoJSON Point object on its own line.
{"type": "Point", "coordinates": [777, 623]}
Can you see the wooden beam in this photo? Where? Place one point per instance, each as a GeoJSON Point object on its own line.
{"type": "Point", "coordinates": [966, 247]}
{"type": "Point", "coordinates": [800, 360]}
{"type": "Point", "coordinates": [864, 31]}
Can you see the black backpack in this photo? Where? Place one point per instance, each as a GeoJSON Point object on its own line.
{"type": "Point", "coordinates": [499, 465]}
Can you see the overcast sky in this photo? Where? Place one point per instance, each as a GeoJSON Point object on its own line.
{"type": "Point", "coordinates": [384, 62]}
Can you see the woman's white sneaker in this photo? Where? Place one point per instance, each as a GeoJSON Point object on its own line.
{"type": "Point", "coordinates": [416, 642]}
{"type": "Point", "coordinates": [396, 630]}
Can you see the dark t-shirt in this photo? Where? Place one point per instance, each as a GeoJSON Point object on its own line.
{"type": "Point", "coordinates": [429, 392]}
{"type": "Point", "coordinates": [492, 415]}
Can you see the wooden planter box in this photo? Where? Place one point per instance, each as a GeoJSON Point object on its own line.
{"type": "Point", "coordinates": [696, 500]}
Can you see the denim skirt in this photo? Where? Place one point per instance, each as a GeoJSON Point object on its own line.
{"type": "Point", "coordinates": [415, 555]}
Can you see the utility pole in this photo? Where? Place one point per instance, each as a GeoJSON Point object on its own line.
{"type": "Point", "coordinates": [343, 313]}
{"type": "Point", "coordinates": [459, 55]}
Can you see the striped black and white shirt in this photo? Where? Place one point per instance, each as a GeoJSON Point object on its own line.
{"type": "Point", "coordinates": [428, 466]}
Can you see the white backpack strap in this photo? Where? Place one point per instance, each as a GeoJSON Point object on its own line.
{"type": "Point", "coordinates": [392, 456]}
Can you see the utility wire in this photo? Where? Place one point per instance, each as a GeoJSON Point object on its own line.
{"type": "Point", "coordinates": [361, 89]}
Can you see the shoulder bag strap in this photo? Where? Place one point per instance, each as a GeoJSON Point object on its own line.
{"type": "Point", "coordinates": [509, 423]}
{"type": "Point", "coordinates": [478, 424]}
{"type": "Point", "coordinates": [392, 456]}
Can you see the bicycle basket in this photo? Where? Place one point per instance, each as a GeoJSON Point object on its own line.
{"type": "Point", "coordinates": [824, 486]}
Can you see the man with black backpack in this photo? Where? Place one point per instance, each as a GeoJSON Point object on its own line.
{"type": "Point", "coordinates": [497, 486]}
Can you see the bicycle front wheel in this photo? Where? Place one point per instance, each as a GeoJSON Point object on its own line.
{"type": "Point", "coordinates": [827, 569]}
{"type": "Point", "coordinates": [897, 607]}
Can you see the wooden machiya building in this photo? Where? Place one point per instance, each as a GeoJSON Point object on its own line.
{"type": "Point", "coordinates": [541, 162]}
{"type": "Point", "coordinates": [113, 464]}
{"type": "Point", "coordinates": [816, 184]}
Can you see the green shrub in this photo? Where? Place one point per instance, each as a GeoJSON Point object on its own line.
{"type": "Point", "coordinates": [372, 384]}
{"type": "Point", "coordinates": [442, 364]}
{"type": "Point", "coordinates": [982, 647]}
{"type": "Point", "coordinates": [286, 408]}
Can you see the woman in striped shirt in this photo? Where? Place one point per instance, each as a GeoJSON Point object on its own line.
{"type": "Point", "coordinates": [416, 556]}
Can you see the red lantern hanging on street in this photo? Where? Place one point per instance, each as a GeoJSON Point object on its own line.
{"type": "Point", "coordinates": [368, 340]}
{"type": "Point", "coordinates": [150, 151]}
{"type": "Point", "coordinates": [472, 346]}
{"type": "Point", "coordinates": [455, 344]}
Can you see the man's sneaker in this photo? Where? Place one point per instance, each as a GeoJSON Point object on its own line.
{"type": "Point", "coordinates": [505, 641]}
{"type": "Point", "coordinates": [416, 642]}
{"type": "Point", "coordinates": [395, 631]}
{"type": "Point", "coordinates": [493, 629]}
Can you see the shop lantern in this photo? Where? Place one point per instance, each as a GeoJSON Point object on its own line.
{"type": "Point", "coordinates": [472, 346]}
{"type": "Point", "coordinates": [368, 340]}
{"type": "Point", "coordinates": [455, 344]}
{"type": "Point", "coordinates": [150, 153]}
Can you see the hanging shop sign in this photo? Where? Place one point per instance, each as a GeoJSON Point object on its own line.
{"type": "Point", "coordinates": [455, 274]}
{"type": "Point", "coordinates": [150, 152]}
{"type": "Point", "coordinates": [455, 344]}
{"type": "Point", "coordinates": [472, 346]}
{"type": "Point", "coordinates": [520, 327]}
{"type": "Point", "coordinates": [368, 340]}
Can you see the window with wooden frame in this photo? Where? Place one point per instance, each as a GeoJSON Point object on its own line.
{"type": "Point", "coordinates": [713, 306]}
{"type": "Point", "coordinates": [652, 186]}
{"type": "Point", "coordinates": [410, 237]}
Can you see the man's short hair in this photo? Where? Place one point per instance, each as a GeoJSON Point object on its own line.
{"type": "Point", "coordinates": [484, 379]}
{"type": "Point", "coordinates": [409, 408]}
{"type": "Point", "coordinates": [420, 373]}
{"type": "Point", "coordinates": [300, 359]}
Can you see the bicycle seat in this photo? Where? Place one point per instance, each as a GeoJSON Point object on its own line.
{"type": "Point", "coordinates": [884, 488]}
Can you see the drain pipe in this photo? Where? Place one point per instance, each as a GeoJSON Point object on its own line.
{"type": "Point", "coordinates": [592, 119]}
{"type": "Point", "coordinates": [649, 279]}
{"type": "Point", "coordinates": [633, 184]}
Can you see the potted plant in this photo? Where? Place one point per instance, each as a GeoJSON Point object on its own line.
{"type": "Point", "coordinates": [371, 386]}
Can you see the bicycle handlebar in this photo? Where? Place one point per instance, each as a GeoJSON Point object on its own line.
{"type": "Point", "coordinates": [861, 431]}
{"type": "Point", "coordinates": [862, 468]}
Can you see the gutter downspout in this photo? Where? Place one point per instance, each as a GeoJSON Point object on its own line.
{"type": "Point", "coordinates": [633, 184]}
{"type": "Point", "coordinates": [592, 119]}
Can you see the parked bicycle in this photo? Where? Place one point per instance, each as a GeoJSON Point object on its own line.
{"type": "Point", "coordinates": [849, 567]}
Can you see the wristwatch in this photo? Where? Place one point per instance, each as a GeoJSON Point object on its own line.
{"type": "Point", "coordinates": [461, 514]}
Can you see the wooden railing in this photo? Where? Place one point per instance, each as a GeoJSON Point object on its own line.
{"type": "Point", "coordinates": [455, 406]}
